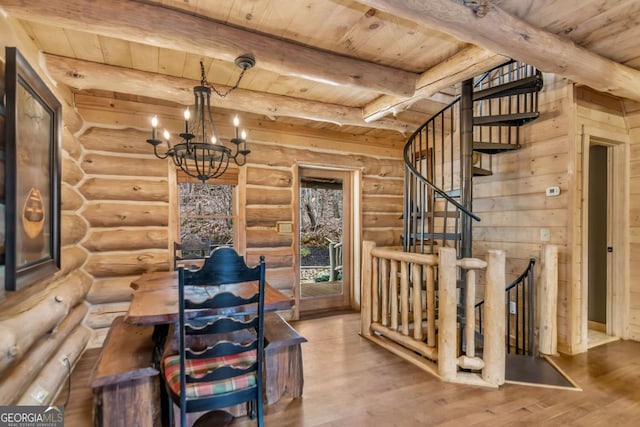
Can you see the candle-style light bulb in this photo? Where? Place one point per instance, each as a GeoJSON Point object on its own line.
{"type": "Point", "coordinates": [236, 123]}
{"type": "Point", "coordinates": [154, 125]}
{"type": "Point", "coordinates": [244, 134]}
{"type": "Point", "coordinates": [214, 139]}
{"type": "Point", "coordinates": [187, 116]}
{"type": "Point", "coordinates": [167, 137]}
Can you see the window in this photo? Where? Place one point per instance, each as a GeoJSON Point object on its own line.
{"type": "Point", "coordinates": [207, 217]}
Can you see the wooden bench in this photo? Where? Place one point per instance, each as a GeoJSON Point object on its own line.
{"type": "Point", "coordinates": [126, 386]}
{"type": "Point", "coordinates": [283, 359]}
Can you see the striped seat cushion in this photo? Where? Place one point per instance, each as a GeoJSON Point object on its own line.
{"type": "Point", "coordinates": [200, 367]}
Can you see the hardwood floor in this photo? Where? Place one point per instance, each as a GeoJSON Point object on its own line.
{"type": "Point", "coordinates": [78, 410]}
{"type": "Point", "coordinates": [351, 382]}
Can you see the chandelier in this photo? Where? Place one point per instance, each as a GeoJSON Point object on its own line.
{"type": "Point", "coordinates": [200, 153]}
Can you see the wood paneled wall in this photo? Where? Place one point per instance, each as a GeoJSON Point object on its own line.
{"type": "Point", "coordinates": [515, 210]}
{"type": "Point", "coordinates": [632, 110]}
{"type": "Point", "coordinates": [40, 325]}
{"type": "Point", "coordinates": [512, 202]}
{"type": "Point", "coordinates": [599, 119]}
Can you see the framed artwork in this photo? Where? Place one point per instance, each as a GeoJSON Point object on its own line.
{"type": "Point", "coordinates": [33, 130]}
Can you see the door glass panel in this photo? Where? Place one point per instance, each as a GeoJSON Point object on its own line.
{"type": "Point", "coordinates": [321, 231]}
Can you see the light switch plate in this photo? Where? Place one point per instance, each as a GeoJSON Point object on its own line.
{"type": "Point", "coordinates": [553, 191]}
{"type": "Point", "coordinates": [284, 227]}
{"type": "Point", "coordinates": [545, 234]}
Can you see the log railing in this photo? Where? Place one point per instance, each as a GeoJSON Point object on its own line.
{"type": "Point", "coordinates": [409, 306]}
{"type": "Point", "coordinates": [335, 261]}
{"type": "Point", "coordinates": [548, 301]}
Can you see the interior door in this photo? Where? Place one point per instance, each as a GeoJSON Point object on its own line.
{"type": "Point", "coordinates": [598, 237]}
{"type": "Point", "coordinates": [324, 239]}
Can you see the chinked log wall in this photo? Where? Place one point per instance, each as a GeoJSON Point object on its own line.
{"type": "Point", "coordinates": [270, 187]}
{"type": "Point", "coordinates": [41, 335]}
{"type": "Point", "coordinates": [126, 205]}
{"type": "Point", "coordinates": [127, 193]}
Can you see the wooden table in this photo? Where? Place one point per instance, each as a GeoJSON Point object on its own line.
{"type": "Point", "coordinates": [155, 298]}
{"type": "Point", "coordinates": [155, 302]}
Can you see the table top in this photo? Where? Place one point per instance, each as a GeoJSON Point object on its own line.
{"type": "Point", "coordinates": [155, 298]}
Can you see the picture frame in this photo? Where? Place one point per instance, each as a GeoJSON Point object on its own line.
{"type": "Point", "coordinates": [33, 134]}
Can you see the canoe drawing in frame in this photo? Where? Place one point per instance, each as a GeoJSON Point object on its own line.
{"type": "Point", "coordinates": [33, 129]}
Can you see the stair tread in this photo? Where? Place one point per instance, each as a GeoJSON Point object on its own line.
{"type": "Point", "coordinates": [437, 214]}
{"type": "Point", "coordinates": [493, 147]}
{"type": "Point", "coordinates": [451, 193]}
{"type": "Point", "coordinates": [481, 172]}
{"type": "Point", "coordinates": [517, 119]}
{"type": "Point", "coordinates": [436, 236]}
{"type": "Point", "coordinates": [525, 85]}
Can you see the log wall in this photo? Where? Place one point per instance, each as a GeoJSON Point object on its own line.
{"type": "Point", "coordinates": [126, 205]}
{"type": "Point", "coordinates": [266, 203]}
{"type": "Point", "coordinates": [127, 196]}
{"type": "Point", "coordinates": [129, 236]}
{"type": "Point", "coordinates": [40, 325]}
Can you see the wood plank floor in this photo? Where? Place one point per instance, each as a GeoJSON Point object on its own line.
{"type": "Point", "coordinates": [77, 411]}
{"type": "Point", "coordinates": [351, 382]}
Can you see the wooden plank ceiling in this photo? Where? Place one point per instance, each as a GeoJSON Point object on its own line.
{"type": "Point", "coordinates": [324, 63]}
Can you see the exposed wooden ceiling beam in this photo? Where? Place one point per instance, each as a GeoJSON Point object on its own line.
{"type": "Point", "coordinates": [485, 25]}
{"type": "Point", "coordinates": [116, 113]}
{"type": "Point", "coordinates": [171, 29]}
{"type": "Point", "coordinates": [91, 75]}
{"type": "Point", "coordinates": [468, 63]}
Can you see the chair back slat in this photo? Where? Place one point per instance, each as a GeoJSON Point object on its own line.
{"type": "Point", "coordinates": [217, 325]}
{"type": "Point", "coordinates": [223, 266]}
{"type": "Point", "coordinates": [222, 349]}
{"type": "Point", "coordinates": [220, 355]}
{"type": "Point", "coordinates": [222, 300]}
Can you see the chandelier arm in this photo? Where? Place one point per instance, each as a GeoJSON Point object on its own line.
{"type": "Point", "coordinates": [219, 172]}
{"type": "Point", "coordinates": [200, 169]}
{"type": "Point", "coordinates": [242, 161]}
{"type": "Point", "coordinates": [161, 156]}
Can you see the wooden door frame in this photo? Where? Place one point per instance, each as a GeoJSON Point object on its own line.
{"type": "Point", "coordinates": [347, 299]}
{"type": "Point", "coordinates": [617, 261]}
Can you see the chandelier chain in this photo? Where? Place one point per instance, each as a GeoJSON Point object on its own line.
{"type": "Point", "coordinates": [205, 83]}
